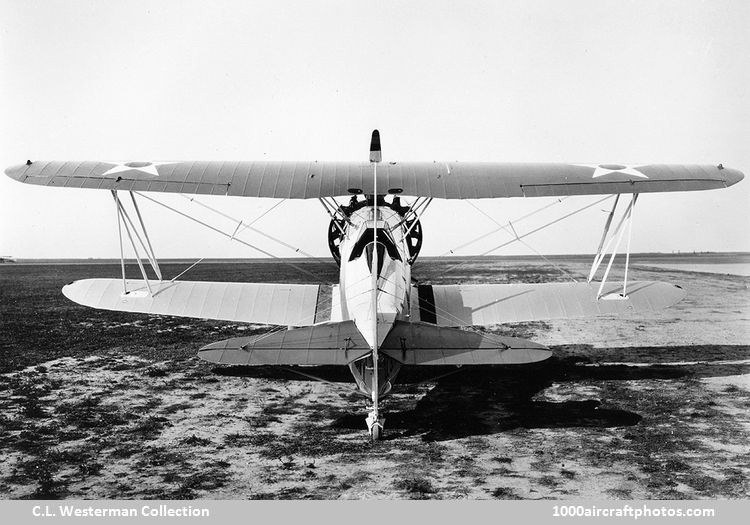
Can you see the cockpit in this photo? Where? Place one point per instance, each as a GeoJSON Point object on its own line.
{"type": "Point", "coordinates": [385, 245]}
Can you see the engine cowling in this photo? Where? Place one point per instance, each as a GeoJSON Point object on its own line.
{"type": "Point", "coordinates": [337, 226]}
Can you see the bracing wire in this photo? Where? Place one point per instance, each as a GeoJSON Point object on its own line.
{"type": "Point", "coordinates": [242, 226]}
{"type": "Point", "coordinates": [519, 237]}
{"type": "Point", "coordinates": [515, 221]}
{"type": "Point", "coordinates": [512, 232]}
{"type": "Point", "coordinates": [282, 261]}
{"type": "Point", "coordinates": [196, 263]}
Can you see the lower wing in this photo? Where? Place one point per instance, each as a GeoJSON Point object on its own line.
{"type": "Point", "coordinates": [282, 304]}
{"type": "Point", "coordinates": [487, 304]}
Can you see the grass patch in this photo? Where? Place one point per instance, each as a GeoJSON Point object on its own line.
{"type": "Point", "coordinates": [149, 427]}
{"type": "Point", "coordinates": [237, 439]}
{"type": "Point", "coordinates": [285, 493]}
{"type": "Point", "coordinates": [195, 441]}
{"type": "Point", "coordinates": [415, 486]}
{"type": "Point", "coordinates": [620, 493]}
{"type": "Point", "coordinates": [356, 479]}
{"type": "Point", "coordinates": [505, 493]}
{"type": "Point", "coordinates": [569, 474]}
{"type": "Point", "coordinates": [41, 471]}
{"type": "Point", "coordinates": [160, 457]}
{"type": "Point", "coordinates": [176, 407]}
{"type": "Point", "coordinates": [126, 450]}
{"type": "Point", "coordinates": [548, 481]}
{"type": "Point", "coordinates": [89, 413]}
{"type": "Point", "coordinates": [31, 442]}
{"type": "Point", "coordinates": [301, 440]}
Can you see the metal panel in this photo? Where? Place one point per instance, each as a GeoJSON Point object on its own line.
{"type": "Point", "coordinates": [487, 304]}
{"type": "Point", "coordinates": [452, 180]}
{"type": "Point", "coordinates": [282, 304]}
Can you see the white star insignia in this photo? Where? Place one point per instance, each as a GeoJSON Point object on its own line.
{"type": "Point", "coordinates": [148, 168]}
{"type": "Point", "coordinates": [601, 170]}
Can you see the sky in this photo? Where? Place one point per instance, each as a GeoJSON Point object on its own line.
{"type": "Point", "coordinates": [537, 81]}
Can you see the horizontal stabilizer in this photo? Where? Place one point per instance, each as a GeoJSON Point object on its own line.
{"type": "Point", "coordinates": [323, 344]}
{"type": "Point", "coordinates": [488, 304]}
{"type": "Point", "coordinates": [262, 303]}
{"type": "Point", "coordinates": [424, 344]}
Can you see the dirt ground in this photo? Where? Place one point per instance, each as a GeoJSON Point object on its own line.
{"type": "Point", "coordinates": [110, 405]}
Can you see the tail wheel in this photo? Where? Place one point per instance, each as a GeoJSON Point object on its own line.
{"type": "Point", "coordinates": [376, 432]}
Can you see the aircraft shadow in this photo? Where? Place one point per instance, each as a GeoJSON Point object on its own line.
{"type": "Point", "coordinates": [478, 401]}
{"type": "Point", "coordinates": [481, 403]}
{"type": "Point", "coordinates": [482, 400]}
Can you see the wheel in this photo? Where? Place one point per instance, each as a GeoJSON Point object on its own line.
{"type": "Point", "coordinates": [375, 425]}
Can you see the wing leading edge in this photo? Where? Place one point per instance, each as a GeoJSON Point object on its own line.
{"type": "Point", "coordinates": [305, 180]}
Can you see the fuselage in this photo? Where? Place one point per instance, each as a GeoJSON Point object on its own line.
{"type": "Point", "coordinates": [393, 271]}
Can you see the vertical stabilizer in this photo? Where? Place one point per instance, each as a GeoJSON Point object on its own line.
{"type": "Point", "coordinates": [375, 154]}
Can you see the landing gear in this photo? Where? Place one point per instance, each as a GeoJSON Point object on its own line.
{"type": "Point", "coordinates": [363, 371]}
{"type": "Point", "coordinates": [375, 425]}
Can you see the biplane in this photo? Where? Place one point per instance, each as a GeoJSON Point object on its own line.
{"type": "Point", "coordinates": [376, 319]}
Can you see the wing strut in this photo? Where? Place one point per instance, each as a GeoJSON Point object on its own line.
{"type": "Point", "coordinates": [328, 206]}
{"type": "Point", "coordinates": [417, 216]}
{"type": "Point", "coordinates": [124, 219]}
{"type": "Point", "coordinates": [626, 221]}
{"type": "Point", "coordinates": [413, 209]}
{"type": "Point", "coordinates": [122, 251]}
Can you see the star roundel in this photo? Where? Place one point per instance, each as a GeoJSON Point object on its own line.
{"type": "Point", "coordinates": [147, 168]}
{"type": "Point", "coordinates": [600, 170]}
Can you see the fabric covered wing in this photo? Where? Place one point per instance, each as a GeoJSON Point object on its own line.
{"type": "Point", "coordinates": [424, 344]}
{"type": "Point", "coordinates": [302, 180]}
{"type": "Point", "coordinates": [283, 304]}
{"type": "Point", "coordinates": [487, 304]}
{"type": "Point", "coordinates": [323, 344]}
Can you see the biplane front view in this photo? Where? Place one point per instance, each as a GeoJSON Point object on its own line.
{"type": "Point", "coordinates": [376, 319]}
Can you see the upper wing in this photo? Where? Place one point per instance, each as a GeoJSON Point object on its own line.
{"type": "Point", "coordinates": [282, 304]}
{"type": "Point", "coordinates": [487, 304]}
{"type": "Point", "coordinates": [303, 180]}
